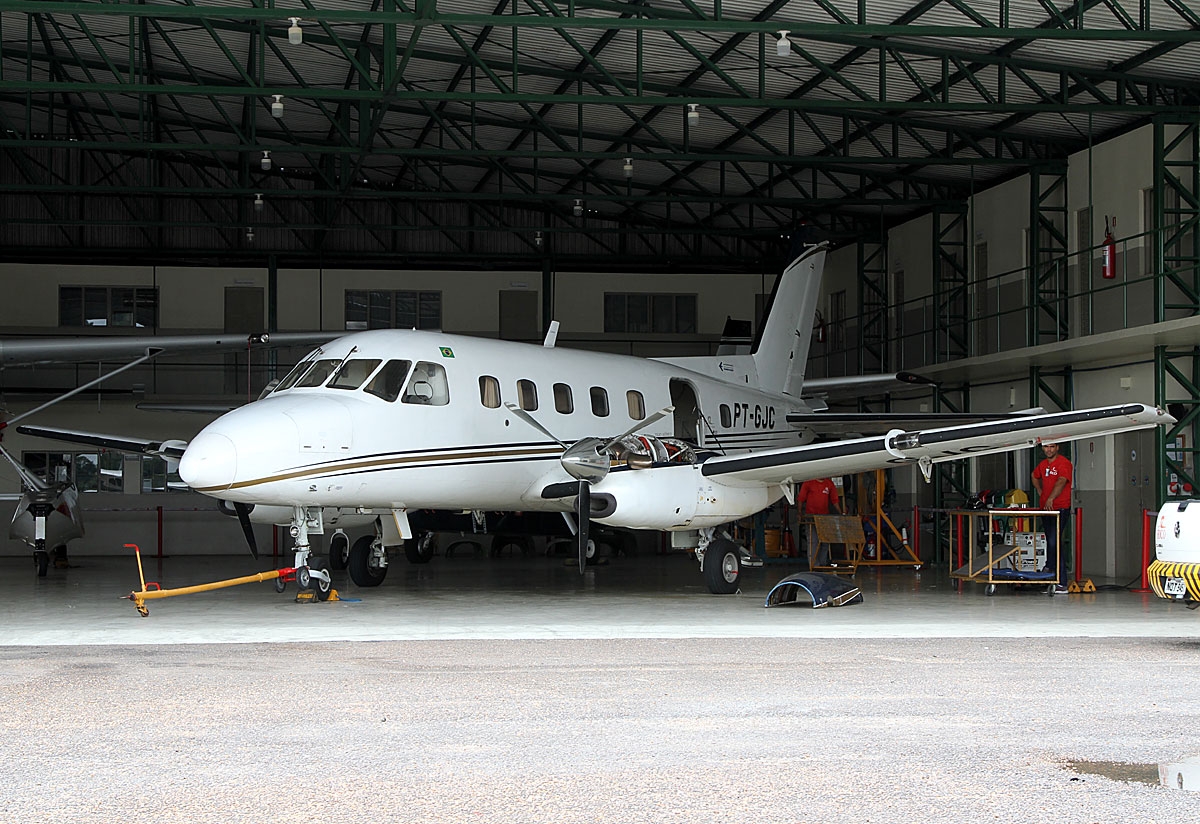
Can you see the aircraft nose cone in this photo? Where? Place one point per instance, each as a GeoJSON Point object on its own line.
{"type": "Point", "coordinates": [209, 464]}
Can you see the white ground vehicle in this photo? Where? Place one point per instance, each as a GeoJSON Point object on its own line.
{"type": "Point", "coordinates": [1175, 572]}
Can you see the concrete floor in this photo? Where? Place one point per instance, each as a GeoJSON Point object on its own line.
{"type": "Point", "coordinates": [529, 598]}
{"type": "Point", "coordinates": [514, 690]}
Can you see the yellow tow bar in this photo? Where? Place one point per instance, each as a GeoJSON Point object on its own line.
{"type": "Point", "coordinates": [140, 597]}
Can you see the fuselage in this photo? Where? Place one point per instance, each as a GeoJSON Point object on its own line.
{"type": "Point", "coordinates": [393, 419]}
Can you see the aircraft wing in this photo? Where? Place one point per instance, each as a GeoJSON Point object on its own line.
{"type": "Point", "coordinates": [27, 351]}
{"type": "Point", "coordinates": [877, 423]}
{"type": "Point", "coordinates": [900, 447]}
{"type": "Point", "coordinates": [165, 449]}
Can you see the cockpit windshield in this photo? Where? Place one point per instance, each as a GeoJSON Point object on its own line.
{"type": "Point", "coordinates": [320, 371]}
{"type": "Point", "coordinates": [289, 380]}
{"type": "Point", "coordinates": [353, 373]}
{"type": "Point", "coordinates": [390, 379]}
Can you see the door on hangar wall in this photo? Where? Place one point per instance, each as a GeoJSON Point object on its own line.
{"type": "Point", "coordinates": [1135, 490]}
{"type": "Point", "coordinates": [245, 307]}
{"type": "Point", "coordinates": [519, 315]}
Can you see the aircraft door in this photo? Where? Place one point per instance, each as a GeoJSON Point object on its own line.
{"type": "Point", "coordinates": [687, 412]}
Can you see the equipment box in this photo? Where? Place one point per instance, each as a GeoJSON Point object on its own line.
{"type": "Point", "coordinates": [1031, 550]}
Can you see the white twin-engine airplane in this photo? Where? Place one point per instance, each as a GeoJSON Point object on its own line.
{"type": "Point", "coordinates": [379, 424]}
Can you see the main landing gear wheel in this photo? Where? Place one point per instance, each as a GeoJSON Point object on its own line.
{"type": "Point", "coordinates": [421, 548]}
{"type": "Point", "coordinates": [364, 572]}
{"type": "Point", "coordinates": [339, 550]}
{"type": "Point", "coordinates": [722, 567]}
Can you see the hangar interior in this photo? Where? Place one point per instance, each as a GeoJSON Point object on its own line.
{"type": "Point", "coordinates": [1010, 191]}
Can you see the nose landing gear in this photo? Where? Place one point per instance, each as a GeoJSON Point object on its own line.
{"type": "Point", "coordinates": [312, 573]}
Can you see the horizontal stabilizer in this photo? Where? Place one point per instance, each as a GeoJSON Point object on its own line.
{"type": "Point", "coordinates": [166, 449]}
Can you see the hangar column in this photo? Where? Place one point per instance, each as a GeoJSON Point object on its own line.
{"type": "Point", "coordinates": [951, 324]}
{"type": "Point", "coordinates": [873, 303]}
{"type": "Point", "coordinates": [1176, 239]}
{"type": "Point", "coordinates": [1047, 256]}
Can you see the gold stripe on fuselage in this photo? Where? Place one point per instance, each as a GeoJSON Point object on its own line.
{"type": "Point", "coordinates": [324, 470]}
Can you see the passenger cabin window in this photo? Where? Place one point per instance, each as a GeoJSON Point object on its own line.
{"type": "Point", "coordinates": [599, 402]}
{"type": "Point", "coordinates": [489, 391]}
{"type": "Point", "coordinates": [320, 371]}
{"type": "Point", "coordinates": [564, 403]}
{"type": "Point", "coordinates": [726, 416]}
{"type": "Point", "coordinates": [390, 379]}
{"type": "Point", "coordinates": [353, 373]}
{"type": "Point", "coordinates": [637, 405]}
{"type": "Point", "coordinates": [527, 395]}
{"type": "Point", "coordinates": [427, 385]}
{"type": "Point", "coordinates": [289, 380]}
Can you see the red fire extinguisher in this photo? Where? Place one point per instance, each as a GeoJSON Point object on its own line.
{"type": "Point", "coordinates": [1108, 264]}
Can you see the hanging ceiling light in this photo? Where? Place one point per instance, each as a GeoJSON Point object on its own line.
{"type": "Point", "coordinates": [693, 115]}
{"type": "Point", "coordinates": [277, 106]}
{"type": "Point", "coordinates": [537, 238]}
{"type": "Point", "coordinates": [266, 161]}
{"type": "Point", "coordinates": [258, 202]}
{"type": "Point", "coordinates": [784, 47]}
{"type": "Point", "coordinates": [250, 233]}
{"type": "Point", "coordinates": [628, 168]}
{"type": "Point", "coordinates": [577, 210]}
{"type": "Point", "coordinates": [295, 33]}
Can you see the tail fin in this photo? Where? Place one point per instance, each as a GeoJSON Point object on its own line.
{"type": "Point", "coordinates": [780, 351]}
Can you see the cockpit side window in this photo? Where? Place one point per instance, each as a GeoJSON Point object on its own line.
{"type": "Point", "coordinates": [427, 385]}
{"type": "Point", "coordinates": [289, 380]}
{"type": "Point", "coordinates": [390, 379]}
{"type": "Point", "coordinates": [353, 373]}
{"type": "Point", "coordinates": [320, 371]}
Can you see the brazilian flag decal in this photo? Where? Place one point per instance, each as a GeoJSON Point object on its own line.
{"type": "Point", "coordinates": [447, 352]}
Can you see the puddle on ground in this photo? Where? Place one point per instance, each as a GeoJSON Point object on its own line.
{"type": "Point", "coordinates": [1178, 775]}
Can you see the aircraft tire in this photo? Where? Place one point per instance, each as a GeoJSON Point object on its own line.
{"type": "Point", "coordinates": [42, 559]}
{"type": "Point", "coordinates": [322, 588]}
{"type": "Point", "coordinates": [723, 567]}
{"type": "Point", "coordinates": [359, 564]}
{"type": "Point", "coordinates": [339, 550]}
{"type": "Point", "coordinates": [420, 550]}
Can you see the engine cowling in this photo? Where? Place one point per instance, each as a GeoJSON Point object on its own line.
{"type": "Point", "coordinates": [673, 498]}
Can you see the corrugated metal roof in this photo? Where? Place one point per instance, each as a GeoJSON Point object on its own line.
{"type": "Point", "coordinates": [817, 123]}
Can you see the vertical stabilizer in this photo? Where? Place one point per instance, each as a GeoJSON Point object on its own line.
{"type": "Point", "coordinates": [780, 351]}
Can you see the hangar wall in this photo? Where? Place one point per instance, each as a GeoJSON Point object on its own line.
{"type": "Point", "coordinates": [1113, 482]}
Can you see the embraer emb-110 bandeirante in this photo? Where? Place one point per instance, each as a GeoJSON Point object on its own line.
{"type": "Point", "coordinates": [382, 423]}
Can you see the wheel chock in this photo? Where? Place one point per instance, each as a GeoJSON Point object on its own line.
{"type": "Point", "coordinates": [1076, 587]}
{"type": "Point", "coordinates": [308, 596]}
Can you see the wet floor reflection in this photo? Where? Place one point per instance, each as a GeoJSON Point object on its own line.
{"type": "Point", "coordinates": [1180, 775]}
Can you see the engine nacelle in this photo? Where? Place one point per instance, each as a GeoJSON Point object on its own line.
{"type": "Point", "coordinates": [673, 498]}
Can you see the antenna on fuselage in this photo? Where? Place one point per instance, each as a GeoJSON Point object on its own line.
{"type": "Point", "coordinates": [551, 335]}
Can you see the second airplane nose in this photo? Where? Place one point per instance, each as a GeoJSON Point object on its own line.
{"type": "Point", "coordinates": [209, 464]}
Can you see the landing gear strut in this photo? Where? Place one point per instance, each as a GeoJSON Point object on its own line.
{"type": "Point", "coordinates": [311, 573]}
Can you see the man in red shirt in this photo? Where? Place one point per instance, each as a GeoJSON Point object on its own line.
{"type": "Point", "coordinates": [1052, 480]}
{"type": "Point", "coordinates": [818, 497]}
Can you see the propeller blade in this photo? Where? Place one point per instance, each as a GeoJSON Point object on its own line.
{"type": "Point", "coordinates": [642, 424]}
{"type": "Point", "coordinates": [583, 511]}
{"type": "Point", "coordinates": [243, 515]}
{"type": "Point", "coordinates": [529, 419]}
